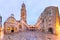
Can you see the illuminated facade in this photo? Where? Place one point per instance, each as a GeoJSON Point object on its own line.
{"type": "Point", "coordinates": [11, 25]}
{"type": "Point", "coordinates": [49, 20]}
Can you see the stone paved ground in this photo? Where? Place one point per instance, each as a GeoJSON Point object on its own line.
{"type": "Point", "coordinates": [29, 35]}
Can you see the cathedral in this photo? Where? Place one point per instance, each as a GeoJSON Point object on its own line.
{"type": "Point", "coordinates": [47, 22]}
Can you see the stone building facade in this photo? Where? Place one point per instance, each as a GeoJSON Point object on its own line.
{"type": "Point", "coordinates": [49, 20]}
{"type": "Point", "coordinates": [11, 25]}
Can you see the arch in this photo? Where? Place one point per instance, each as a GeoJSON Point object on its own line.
{"type": "Point", "coordinates": [50, 30]}
{"type": "Point", "coordinates": [12, 29]}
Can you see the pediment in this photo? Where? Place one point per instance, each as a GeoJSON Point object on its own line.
{"type": "Point", "coordinates": [11, 20]}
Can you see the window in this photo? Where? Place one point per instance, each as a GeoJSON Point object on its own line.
{"type": "Point", "coordinates": [43, 21]}
{"type": "Point", "coordinates": [12, 28]}
{"type": "Point", "coordinates": [15, 28]}
{"type": "Point", "coordinates": [20, 26]}
{"type": "Point", "coordinates": [8, 28]}
{"type": "Point", "coordinates": [50, 13]}
{"type": "Point", "coordinates": [49, 20]}
{"type": "Point", "coordinates": [12, 20]}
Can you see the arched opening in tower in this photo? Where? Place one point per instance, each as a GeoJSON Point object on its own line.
{"type": "Point", "coordinates": [50, 30]}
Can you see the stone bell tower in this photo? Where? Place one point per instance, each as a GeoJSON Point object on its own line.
{"type": "Point", "coordinates": [23, 17]}
{"type": "Point", "coordinates": [23, 13]}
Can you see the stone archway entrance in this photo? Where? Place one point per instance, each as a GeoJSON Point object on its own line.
{"type": "Point", "coordinates": [50, 30]}
{"type": "Point", "coordinates": [12, 29]}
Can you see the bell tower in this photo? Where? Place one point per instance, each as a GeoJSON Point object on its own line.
{"type": "Point", "coordinates": [23, 13]}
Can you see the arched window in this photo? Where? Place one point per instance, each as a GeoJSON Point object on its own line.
{"type": "Point", "coordinates": [20, 26]}
{"type": "Point", "coordinates": [15, 28]}
{"type": "Point", "coordinates": [8, 28]}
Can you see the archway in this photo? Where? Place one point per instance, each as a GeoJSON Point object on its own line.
{"type": "Point", "coordinates": [12, 29]}
{"type": "Point", "coordinates": [50, 30]}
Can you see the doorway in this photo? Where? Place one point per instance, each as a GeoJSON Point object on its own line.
{"type": "Point", "coordinates": [12, 31]}
{"type": "Point", "coordinates": [50, 30]}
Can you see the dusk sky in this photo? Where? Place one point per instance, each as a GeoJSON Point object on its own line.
{"type": "Point", "coordinates": [33, 7]}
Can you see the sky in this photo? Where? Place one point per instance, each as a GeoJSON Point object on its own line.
{"type": "Point", "coordinates": [33, 7]}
